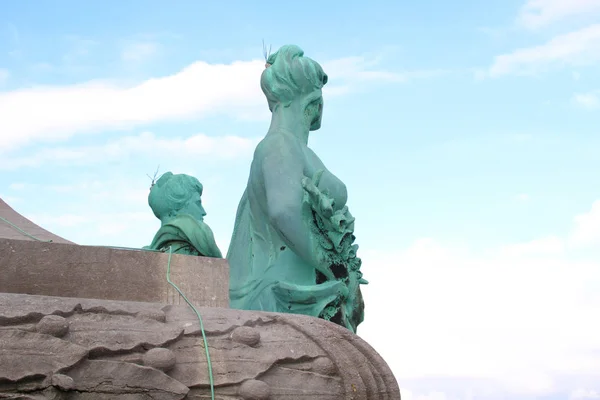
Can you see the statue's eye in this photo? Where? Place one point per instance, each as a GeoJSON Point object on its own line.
{"type": "Point", "coordinates": [324, 79]}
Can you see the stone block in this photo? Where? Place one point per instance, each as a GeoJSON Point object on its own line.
{"type": "Point", "coordinates": [69, 270]}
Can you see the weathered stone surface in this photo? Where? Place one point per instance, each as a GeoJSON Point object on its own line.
{"type": "Point", "coordinates": [246, 335]}
{"type": "Point", "coordinates": [24, 309]}
{"type": "Point", "coordinates": [54, 325]}
{"type": "Point", "coordinates": [120, 380]}
{"type": "Point", "coordinates": [63, 382]}
{"type": "Point", "coordinates": [159, 358]}
{"type": "Point", "coordinates": [27, 354]}
{"type": "Point", "coordinates": [354, 359]}
{"type": "Point", "coordinates": [254, 355]}
{"type": "Point", "coordinates": [24, 397]}
{"type": "Point", "coordinates": [286, 381]}
{"type": "Point", "coordinates": [279, 342]}
{"type": "Point", "coordinates": [216, 321]}
{"type": "Point", "coordinates": [55, 269]}
{"type": "Point", "coordinates": [323, 366]}
{"type": "Point", "coordinates": [106, 333]}
{"type": "Point", "coordinates": [255, 390]}
{"type": "Point", "coordinates": [157, 315]}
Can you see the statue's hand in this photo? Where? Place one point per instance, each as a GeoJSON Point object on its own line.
{"type": "Point", "coordinates": [310, 188]}
{"type": "Point", "coordinates": [322, 204]}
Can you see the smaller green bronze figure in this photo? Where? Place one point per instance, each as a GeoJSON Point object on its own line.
{"type": "Point", "coordinates": [176, 201]}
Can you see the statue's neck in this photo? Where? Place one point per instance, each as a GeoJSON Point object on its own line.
{"type": "Point", "coordinates": [166, 220]}
{"type": "Point", "coordinates": [290, 120]}
{"type": "Point", "coordinates": [171, 218]}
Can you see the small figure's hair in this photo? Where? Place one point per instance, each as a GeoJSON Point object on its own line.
{"type": "Point", "coordinates": [171, 193]}
{"type": "Point", "coordinates": [291, 75]}
{"type": "Point", "coordinates": [266, 53]}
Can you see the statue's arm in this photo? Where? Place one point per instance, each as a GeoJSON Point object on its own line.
{"type": "Point", "coordinates": [282, 172]}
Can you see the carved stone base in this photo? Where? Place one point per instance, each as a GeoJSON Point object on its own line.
{"type": "Point", "coordinates": [67, 348]}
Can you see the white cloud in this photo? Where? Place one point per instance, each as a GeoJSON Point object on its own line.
{"type": "Point", "coordinates": [583, 394]}
{"type": "Point", "coordinates": [523, 319]}
{"type": "Point", "coordinates": [135, 51]}
{"type": "Point", "coordinates": [409, 395]}
{"type": "Point", "coordinates": [544, 246]}
{"type": "Point", "coordinates": [51, 113]}
{"type": "Point", "coordinates": [539, 13]}
{"type": "Point", "coordinates": [590, 101]}
{"type": "Point", "coordinates": [473, 316]}
{"type": "Point", "coordinates": [587, 228]}
{"type": "Point", "coordinates": [359, 69]}
{"type": "Point", "coordinates": [224, 147]}
{"type": "Point", "coordinates": [576, 48]}
{"type": "Point", "coordinates": [584, 234]}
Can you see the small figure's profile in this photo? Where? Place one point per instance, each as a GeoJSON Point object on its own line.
{"type": "Point", "coordinates": [176, 200]}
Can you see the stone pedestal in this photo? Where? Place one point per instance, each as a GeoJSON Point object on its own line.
{"type": "Point", "coordinates": [69, 330]}
{"type": "Point", "coordinates": [70, 270]}
{"type": "Point", "coordinates": [64, 348]}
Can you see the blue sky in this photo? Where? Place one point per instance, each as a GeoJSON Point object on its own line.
{"type": "Point", "coordinates": [466, 132]}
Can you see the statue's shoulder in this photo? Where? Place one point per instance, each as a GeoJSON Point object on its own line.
{"type": "Point", "coordinates": [270, 142]}
{"type": "Point", "coordinates": [278, 144]}
{"type": "Point", "coordinates": [278, 153]}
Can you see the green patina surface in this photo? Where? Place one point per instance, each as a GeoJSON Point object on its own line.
{"type": "Point", "coordinates": [292, 248]}
{"type": "Point", "coordinates": [176, 201]}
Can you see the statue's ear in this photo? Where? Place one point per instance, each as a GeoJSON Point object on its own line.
{"type": "Point", "coordinates": [172, 214]}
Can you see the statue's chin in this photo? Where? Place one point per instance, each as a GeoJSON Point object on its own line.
{"type": "Point", "coordinates": [316, 125]}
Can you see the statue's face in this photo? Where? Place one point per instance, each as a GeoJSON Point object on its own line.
{"type": "Point", "coordinates": [318, 115]}
{"type": "Point", "coordinates": [194, 208]}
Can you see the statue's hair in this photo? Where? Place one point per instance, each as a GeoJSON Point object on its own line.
{"type": "Point", "coordinates": [290, 75]}
{"type": "Point", "coordinates": [171, 193]}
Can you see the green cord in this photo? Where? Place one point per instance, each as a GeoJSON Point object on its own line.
{"type": "Point", "coordinates": [127, 248]}
{"type": "Point", "coordinates": [23, 232]}
{"type": "Point", "coordinates": [210, 373]}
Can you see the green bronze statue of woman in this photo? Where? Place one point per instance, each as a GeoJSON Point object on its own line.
{"type": "Point", "coordinates": [176, 200]}
{"type": "Point", "coordinates": [292, 247]}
